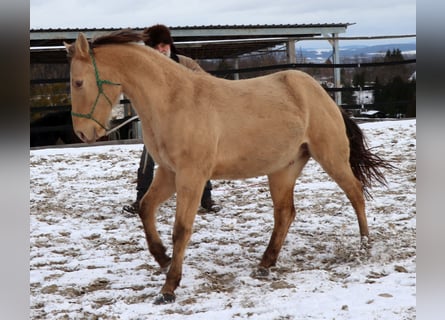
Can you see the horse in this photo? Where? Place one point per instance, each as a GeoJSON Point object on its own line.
{"type": "Point", "coordinates": [48, 129]}
{"type": "Point", "coordinates": [199, 127]}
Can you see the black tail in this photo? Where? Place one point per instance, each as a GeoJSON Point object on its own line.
{"type": "Point", "coordinates": [365, 164]}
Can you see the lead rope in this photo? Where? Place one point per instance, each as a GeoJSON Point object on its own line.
{"type": "Point", "coordinates": [122, 124]}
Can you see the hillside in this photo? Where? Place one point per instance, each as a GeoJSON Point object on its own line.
{"type": "Point", "coordinates": [353, 51]}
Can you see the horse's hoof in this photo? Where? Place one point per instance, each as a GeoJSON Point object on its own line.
{"type": "Point", "coordinates": [165, 298]}
{"type": "Point", "coordinates": [260, 273]}
{"type": "Point", "coordinates": [365, 243]}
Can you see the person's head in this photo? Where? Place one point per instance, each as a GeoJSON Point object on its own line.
{"type": "Point", "coordinates": [163, 48]}
{"type": "Point", "coordinates": [158, 37]}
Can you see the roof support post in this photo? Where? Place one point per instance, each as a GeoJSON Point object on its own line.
{"type": "Point", "coordinates": [236, 66]}
{"type": "Point", "coordinates": [337, 77]}
{"type": "Point", "coordinates": [336, 58]}
{"type": "Point", "coordinates": [290, 50]}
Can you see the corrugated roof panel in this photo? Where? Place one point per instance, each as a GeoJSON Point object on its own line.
{"type": "Point", "coordinates": [250, 38]}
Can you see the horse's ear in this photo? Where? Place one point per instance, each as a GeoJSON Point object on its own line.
{"type": "Point", "coordinates": [82, 46]}
{"type": "Point", "coordinates": [67, 46]}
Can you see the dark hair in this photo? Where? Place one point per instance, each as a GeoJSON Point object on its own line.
{"type": "Point", "coordinates": [119, 36]}
{"type": "Point", "coordinates": [157, 34]}
{"type": "Point", "coordinates": [364, 163]}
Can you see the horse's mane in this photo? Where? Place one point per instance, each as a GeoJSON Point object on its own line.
{"type": "Point", "coordinates": [117, 37]}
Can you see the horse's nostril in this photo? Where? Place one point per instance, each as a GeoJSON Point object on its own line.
{"type": "Point", "coordinates": [81, 136]}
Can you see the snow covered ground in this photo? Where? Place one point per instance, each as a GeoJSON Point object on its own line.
{"type": "Point", "coordinates": [88, 260]}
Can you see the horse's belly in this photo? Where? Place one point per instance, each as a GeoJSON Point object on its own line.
{"type": "Point", "coordinates": [253, 164]}
{"type": "Point", "coordinates": [259, 144]}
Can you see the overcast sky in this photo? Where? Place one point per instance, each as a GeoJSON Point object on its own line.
{"type": "Point", "coordinates": [372, 18]}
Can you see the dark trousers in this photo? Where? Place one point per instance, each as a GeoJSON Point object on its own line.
{"type": "Point", "coordinates": [145, 177]}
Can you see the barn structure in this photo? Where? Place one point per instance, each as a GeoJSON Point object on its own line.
{"type": "Point", "coordinates": [201, 43]}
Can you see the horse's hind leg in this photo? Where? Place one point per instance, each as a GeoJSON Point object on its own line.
{"type": "Point", "coordinates": [161, 189]}
{"type": "Point", "coordinates": [333, 156]}
{"type": "Point", "coordinates": [281, 185]}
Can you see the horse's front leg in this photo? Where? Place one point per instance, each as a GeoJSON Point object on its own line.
{"type": "Point", "coordinates": [281, 185]}
{"type": "Point", "coordinates": [188, 194]}
{"type": "Point", "coordinates": [162, 188]}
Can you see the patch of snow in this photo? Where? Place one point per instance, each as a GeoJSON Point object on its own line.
{"type": "Point", "coordinates": [88, 260]}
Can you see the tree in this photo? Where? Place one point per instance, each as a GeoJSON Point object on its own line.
{"type": "Point", "coordinates": [359, 79]}
{"type": "Point", "coordinates": [396, 97]}
{"type": "Point", "coordinates": [347, 96]}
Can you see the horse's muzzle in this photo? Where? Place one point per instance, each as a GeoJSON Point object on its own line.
{"type": "Point", "coordinates": [88, 138]}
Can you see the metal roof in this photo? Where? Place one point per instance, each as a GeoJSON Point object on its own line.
{"type": "Point", "coordinates": [197, 42]}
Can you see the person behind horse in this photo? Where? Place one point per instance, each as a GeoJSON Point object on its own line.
{"type": "Point", "coordinates": [159, 38]}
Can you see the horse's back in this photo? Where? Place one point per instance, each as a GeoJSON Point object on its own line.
{"type": "Point", "coordinates": [288, 99]}
{"type": "Point", "coordinates": [263, 122]}
{"type": "Point", "coordinates": [256, 126]}
{"type": "Point", "coordinates": [290, 91]}
{"type": "Point", "coordinates": [323, 118]}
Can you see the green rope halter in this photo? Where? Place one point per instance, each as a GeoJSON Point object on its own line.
{"type": "Point", "coordinates": [99, 83]}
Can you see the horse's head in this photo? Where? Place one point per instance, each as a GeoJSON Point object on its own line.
{"type": "Point", "coordinates": [92, 93]}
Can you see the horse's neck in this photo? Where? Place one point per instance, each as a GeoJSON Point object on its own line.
{"type": "Point", "coordinates": [150, 81]}
{"type": "Point", "coordinates": [148, 78]}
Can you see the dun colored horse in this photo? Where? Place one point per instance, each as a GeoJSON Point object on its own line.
{"type": "Point", "coordinates": [198, 127]}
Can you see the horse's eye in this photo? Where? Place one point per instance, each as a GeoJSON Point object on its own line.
{"type": "Point", "coordinates": [78, 83]}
